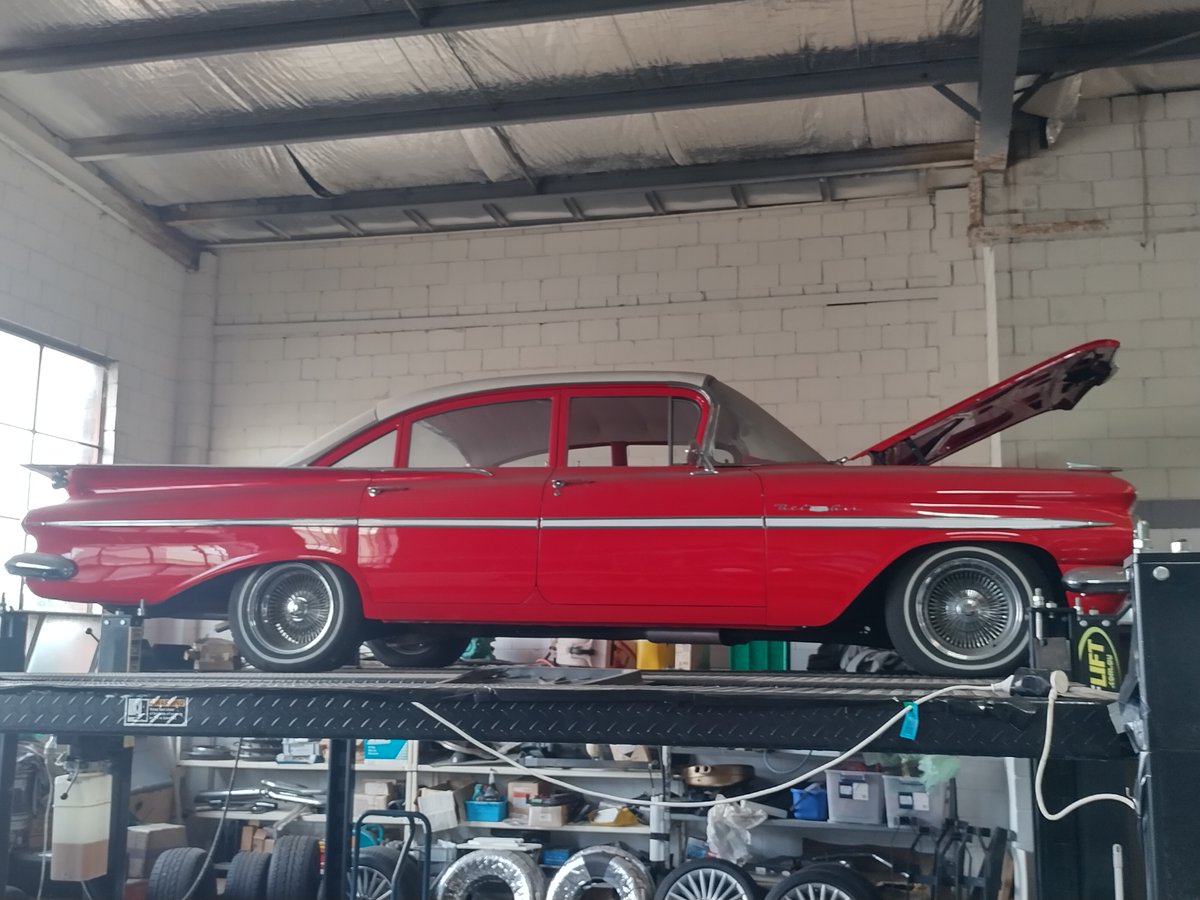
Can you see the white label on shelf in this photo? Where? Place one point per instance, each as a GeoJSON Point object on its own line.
{"type": "Point", "coordinates": [921, 802]}
{"type": "Point", "coordinates": [862, 791]}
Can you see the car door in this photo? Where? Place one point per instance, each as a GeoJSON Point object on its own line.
{"type": "Point", "coordinates": [633, 532]}
{"type": "Point", "coordinates": [451, 533]}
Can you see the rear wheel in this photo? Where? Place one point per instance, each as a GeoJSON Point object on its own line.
{"type": "Point", "coordinates": [297, 616]}
{"type": "Point", "coordinates": [961, 610]}
{"type": "Point", "coordinates": [411, 651]}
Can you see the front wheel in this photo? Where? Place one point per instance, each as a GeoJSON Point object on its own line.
{"type": "Point", "coordinates": [961, 610]}
{"type": "Point", "coordinates": [297, 616]}
{"type": "Point", "coordinates": [416, 651]}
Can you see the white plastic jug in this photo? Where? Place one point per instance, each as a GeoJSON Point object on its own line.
{"type": "Point", "coordinates": [79, 839]}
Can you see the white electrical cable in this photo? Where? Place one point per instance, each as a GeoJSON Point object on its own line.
{"type": "Point", "coordinates": [1041, 771]}
{"type": "Point", "coordinates": [705, 804]}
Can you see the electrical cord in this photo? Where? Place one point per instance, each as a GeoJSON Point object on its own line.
{"type": "Point", "coordinates": [998, 688]}
{"type": "Point", "coordinates": [1041, 768]}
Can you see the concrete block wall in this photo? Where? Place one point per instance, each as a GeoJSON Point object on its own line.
{"type": "Point", "coordinates": [1105, 258]}
{"type": "Point", "coordinates": [848, 320]}
{"type": "Point", "coordinates": [72, 273]}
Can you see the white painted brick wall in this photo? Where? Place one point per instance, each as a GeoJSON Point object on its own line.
{"type": "Point", "coordinates": [72, 273]}
{"type": "Point", "coordinates": [842, 318]}
{"type": "Point", "coordinates": [1113, 276]}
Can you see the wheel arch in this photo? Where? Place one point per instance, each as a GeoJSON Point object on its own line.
{"type": "Point", "coordinates": [867, 608]}
{"type": "Point", "coordinates": [208, 598]}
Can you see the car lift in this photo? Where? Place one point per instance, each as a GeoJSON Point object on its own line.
{"type": "Point", "coordinates": [703, 709]}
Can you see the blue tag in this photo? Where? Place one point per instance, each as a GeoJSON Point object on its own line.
{"type": "Point", "coordinates": [908, 725]}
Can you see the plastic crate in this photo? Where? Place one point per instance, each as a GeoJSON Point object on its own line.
{"type": "Point", "coordinates": [486, 810]}
{"type": "Point", "coordinates": [908, 798]}
{"type": "Point", "coordinates": [855, 797]}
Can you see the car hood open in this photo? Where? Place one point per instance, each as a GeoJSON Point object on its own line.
{"type": "Point", "coordinates": [1055, 383]}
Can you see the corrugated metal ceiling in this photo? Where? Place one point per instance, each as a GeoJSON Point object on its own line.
{"type": "Point", "coordinates": [616, 58]}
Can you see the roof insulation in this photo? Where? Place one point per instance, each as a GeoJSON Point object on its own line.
{"type": "Point", "coordinates": [583, 56]}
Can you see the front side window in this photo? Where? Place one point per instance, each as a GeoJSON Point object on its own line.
{"type": "Point", "coordinates": [512, 433]}
{"type": "Point", "coordinates": [746, 434]}
{"type": "Point", "coordinates": [631, 430]}
{"type": "Point", "coordinates": [51, 411]}
{"type": "Point", "coordinates": [379, 453]}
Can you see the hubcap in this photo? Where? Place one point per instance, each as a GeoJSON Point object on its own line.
{"type": "Point", "coordinates": [816, 891]}
{"type": "Point", "coordinates": [292, 608]}
{"type": "Point", "coordinates": [968, 608]}
{"type": "Point", "coordinates": [706, 884]}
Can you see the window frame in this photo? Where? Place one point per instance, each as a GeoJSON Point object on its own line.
{"type": "Point", "coordinates": [627, 389]}
{"type": "Point", "coordinates": [104, 446]}
{"type": "Point", "coordinates": [489, 399]}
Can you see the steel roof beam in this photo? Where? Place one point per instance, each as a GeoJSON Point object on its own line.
{"type": "Point", "coordinates": [841, 72]}
{"type": "Point", "coordinates": [999, 54]}
{"type": "Point", "coordinates": [321, 32]}
{"type": "Point", "coordinates": [819, 165]}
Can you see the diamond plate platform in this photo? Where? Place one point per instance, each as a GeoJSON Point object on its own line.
{"type": "Point", "coordinates": [769, 710]}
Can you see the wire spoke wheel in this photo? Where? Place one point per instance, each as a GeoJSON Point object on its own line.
{"type": "Point", "coordinates": [967, 607]}
{"type": "Point", "coordinates": [292, 608]}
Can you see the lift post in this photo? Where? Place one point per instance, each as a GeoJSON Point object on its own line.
{"type": "Point", "coordinates": [12, 659]}
{"type": "Point", "coordinates": [1164, 714]}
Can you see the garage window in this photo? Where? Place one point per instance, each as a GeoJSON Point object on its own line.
{"type": "Point", "coordinates": [51, 411]}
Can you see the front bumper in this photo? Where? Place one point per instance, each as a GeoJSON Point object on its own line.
{"type": "Point", "coordinates": [43, 566]}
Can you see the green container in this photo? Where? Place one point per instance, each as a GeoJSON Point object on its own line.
{"type": "Point", "coordinates": [759, 656]}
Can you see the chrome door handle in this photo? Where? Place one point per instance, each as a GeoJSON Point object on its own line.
{"type": "Point", "coordinates": [559, 483]}
{"type": "Point", "coordinates": [374, 491]}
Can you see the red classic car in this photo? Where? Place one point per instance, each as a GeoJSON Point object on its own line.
{"type": "Point", "coordinates": [664, 505]}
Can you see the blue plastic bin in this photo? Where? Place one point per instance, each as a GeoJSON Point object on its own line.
{"type": "Point", "coordinates": [486, 810]}
{"type": "Point", "coordinates": [811, 803]}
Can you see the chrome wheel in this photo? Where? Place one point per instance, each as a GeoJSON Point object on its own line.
{"type": "Point", "coordinates": [293, 608]}
{"type": "Point", "coordinates": [706, 883]}
{"type": "Point", "coordinates": [816, 891]}
{"type": "Point", "coordinates": [373, 885]}
{"type": "Point", "coordinates": [967, 607]}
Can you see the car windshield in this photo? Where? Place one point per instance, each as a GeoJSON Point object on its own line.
{"type": "Point", "coordinates": [746, 434]}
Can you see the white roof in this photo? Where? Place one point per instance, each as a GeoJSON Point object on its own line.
{"type": "Point", "coordinates": [391, 406]}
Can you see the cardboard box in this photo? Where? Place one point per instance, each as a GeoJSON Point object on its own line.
{"type": "Point", "coordinates": [519, 793]}
{"type": "Point", "coordinates": [547, 816]}
{"type": "Point", "coordinates": [388, 790]}
{"type": "Point", "coordinates": [146, 842]}
{"type": "Point", "coordinates": [376, 750]}
{"type": "Point", "coordinates": [443, 805]}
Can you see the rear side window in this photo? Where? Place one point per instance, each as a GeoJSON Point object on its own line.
{"type": "Point", "coordinates": [511, 433]}
{"type": "Point", "coordinates": [631, 430]}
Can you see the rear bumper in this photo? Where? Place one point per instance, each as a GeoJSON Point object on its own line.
{"type": "Point", "coordinates": [43, 566]}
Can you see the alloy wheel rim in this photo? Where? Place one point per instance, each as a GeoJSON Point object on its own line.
{"type": "Point", "coordinates": [293, 609]}
{"type": "Point", "coordinates": [706, 884]}
{"type": "Point", "coordinates": [816, 890]}
{"type": "Point", "coordinates": [968, 608]}
{"type": "Point", "coordinates": [373, 885]}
